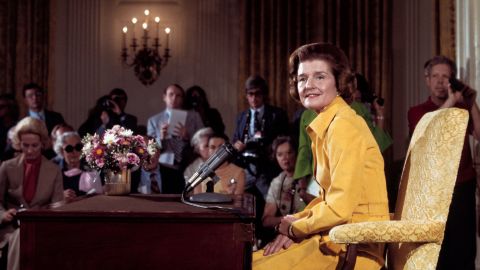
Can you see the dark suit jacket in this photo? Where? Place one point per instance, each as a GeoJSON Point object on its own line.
{"type": "Point", "coordinates": [129, 121]}
{"type": "Point", "coordinates": [276, 123]}
{"type": "Point", "coordinates": [52, 119]}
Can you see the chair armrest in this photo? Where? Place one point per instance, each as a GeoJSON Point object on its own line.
{"type": "Point", "coordinates": [393, 231]}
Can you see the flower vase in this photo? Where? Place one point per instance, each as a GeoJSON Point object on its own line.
{"type": "Point", "coordinates": [117, 183]}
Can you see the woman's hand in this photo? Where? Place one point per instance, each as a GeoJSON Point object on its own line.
{"type": "Point", "coordinates": [69, 194]}
{"type": "Point", "coordinates": [280, 242]}
{"type": "Point", "coordinates": [9, 215]}
{"type": "Point", "coordinates": [285, 224]}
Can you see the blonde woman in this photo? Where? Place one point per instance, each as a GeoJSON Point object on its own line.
{"type": "Point", "coordinates": [26, 181]}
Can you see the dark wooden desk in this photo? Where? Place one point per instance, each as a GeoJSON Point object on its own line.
{"type": "Point", "coordinates": [137, 232]}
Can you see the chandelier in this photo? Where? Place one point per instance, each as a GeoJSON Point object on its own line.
{"type": "Point", "coordinates": [145, 56]}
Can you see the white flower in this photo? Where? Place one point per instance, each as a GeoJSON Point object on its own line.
{"type": "Point", "coordinates": [126, 132]}
{"type": "Point", "coordinates": [109, 138]}
{"type": "Point", "coordinates": [152, 147]}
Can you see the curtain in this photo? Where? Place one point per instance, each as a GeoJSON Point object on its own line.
{"type": "Point", "coordinates": [24, 44]}
{"type": "Point", "coordinates": [445, 28]}
{"type": "Point", "coordinates": [271, 30]}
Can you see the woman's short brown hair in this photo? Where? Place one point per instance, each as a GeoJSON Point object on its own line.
{"type": "Point", "coordinates": [30, 125]}
{"type": "Point", "coordinates": [338, 61]}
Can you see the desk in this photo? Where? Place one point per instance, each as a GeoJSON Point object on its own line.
{"type": "Point", "coordinates": [137, 232]}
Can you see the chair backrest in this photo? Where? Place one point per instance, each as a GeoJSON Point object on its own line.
{"type": "Point", "coordinates": [427, 182]}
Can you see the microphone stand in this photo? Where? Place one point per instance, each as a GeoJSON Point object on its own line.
{"type": "Point", "coordinates": [207, 170]}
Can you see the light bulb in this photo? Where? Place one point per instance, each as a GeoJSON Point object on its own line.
{"type": "Point", "coordinates": [146, 12]}
{"type": "Point", "coordinates": [167, 30]}
{"type": "Point", "coordinates": [145, 25]}
{"type": "Point", "coordinates": [134, 20]}
{"type": "Point", "coordinates": [125, 29]}
{"type": "Point", "coordinates": [157, 19]}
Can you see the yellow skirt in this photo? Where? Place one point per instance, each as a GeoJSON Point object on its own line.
{"type": "Point", "coordinates": [306, 255]}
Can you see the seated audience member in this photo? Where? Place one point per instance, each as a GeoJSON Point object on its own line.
{"type": "Point", "coordinates": [119, 96]}
{"type": "Point", "coordinates": [174, 140]}
{"type": "Point", "coordinates": [35, 100]}
{"type": "Point", "coordinates": [10, 152]}
{"type": "Point", "coordinates": [285, 195]}
{"type": "Point", "coordinates": [199, 142]}
{"type": "Point", "coordinates": [151, 179]}
{"type": "Point", "coordinates": [103, 116]}
{"type": "Point", "coordinates": [57, 131]}
{"type": "Point", "coordinates": [27, 181]}
{"type": "Point", "coordinates": [231, 177]}
{"type": "Point", "coordinates": [348, 168]}
{"type": "Point", "coordinates": [9, 114]}
{"type": "Point", "coordinates": [76, 180]}
{"type": "Point", "coordinates": [196, 99]}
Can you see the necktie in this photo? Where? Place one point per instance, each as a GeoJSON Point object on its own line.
{"type": "Point", "coordinates": [253, 122]}
{"type": "Point", "coordinates": [154, 184]}
{"type": "Point", "coordinates": [257, 122]}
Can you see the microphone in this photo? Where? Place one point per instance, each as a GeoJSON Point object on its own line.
{"type": "Point", "coordinates": [225, 152]}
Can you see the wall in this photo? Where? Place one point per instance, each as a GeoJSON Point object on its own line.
{"type": "Point", "coordinates": [88, 39]}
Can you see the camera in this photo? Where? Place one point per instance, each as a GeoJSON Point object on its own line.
{"type": "Point", "coordinates": [456, 85]}
{"type": "Point", "coordinates": [107, 104]}
{"type": "Point", "coordinates": [380, 101]}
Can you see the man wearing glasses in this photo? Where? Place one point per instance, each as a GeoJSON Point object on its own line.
{"type": "Point", "coordinates": [34, 97]}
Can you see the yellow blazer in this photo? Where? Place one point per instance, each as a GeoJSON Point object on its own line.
{"type": "Point", "coordinates": [350, 171]}
{"type": "Point", "coordinates": [49, 187]}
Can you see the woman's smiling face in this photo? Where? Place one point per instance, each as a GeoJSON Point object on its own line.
{"type": "Point", "coordinates": [316, 84]}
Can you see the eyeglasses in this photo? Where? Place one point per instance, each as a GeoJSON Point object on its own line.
{"type": "Point", "coordinates": [257, 93]}
{"type": "Point", "coordinates": [69, 148]}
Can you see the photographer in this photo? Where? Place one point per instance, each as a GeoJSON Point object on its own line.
{"type": "Point", "coordinates": [458, 247]}
{"type": "Point", "coordinates": [255, 130]}
{"type": "Point", "coordinates": [196, 99]}
{"type": "Point", "coordinates": [119, 96]}
{"type": "Point", "coordinates": [104, 115]}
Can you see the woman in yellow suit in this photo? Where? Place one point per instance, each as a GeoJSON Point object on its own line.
{"type": "Point", "coordinates": [348, 168]}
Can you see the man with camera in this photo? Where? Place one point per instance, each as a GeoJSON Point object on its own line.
{"type": "Point", "coordinates": [255, 130]}
{"type": "Point", "coordinates": [459, 246]}
{"type": "Point", "coordinates": [119, 96]}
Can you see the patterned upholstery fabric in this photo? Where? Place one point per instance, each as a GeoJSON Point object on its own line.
{"type": "Point", "coordinates": [416, 233]}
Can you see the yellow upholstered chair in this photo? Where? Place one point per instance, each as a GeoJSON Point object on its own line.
{"type": "Point", "coordinates": [415, 233]}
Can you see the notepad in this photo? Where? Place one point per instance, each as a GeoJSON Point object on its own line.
{"type": "Point", "coordinates": [176, 117]}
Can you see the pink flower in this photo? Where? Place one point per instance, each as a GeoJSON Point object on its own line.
{"type": "Point", "coordinates": [133, 159]}
{"type": "Point", "coordinates": [100, 162]}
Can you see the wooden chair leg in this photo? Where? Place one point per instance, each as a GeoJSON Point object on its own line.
{"type": "Point", "coordinates": [350, 258]}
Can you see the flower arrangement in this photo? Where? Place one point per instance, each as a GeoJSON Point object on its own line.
{"type": "Point", "coordinates": [117, 149]}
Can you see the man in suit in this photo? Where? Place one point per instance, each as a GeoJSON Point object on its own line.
{"type": "Point", "coordinates": [255, 130]}
{"type": "Point", "coordinates": [119, 96]}
{"type": "Point", "coordinates": [34, 97]}
{"type": "Point", "coordinates": [174, 145]}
